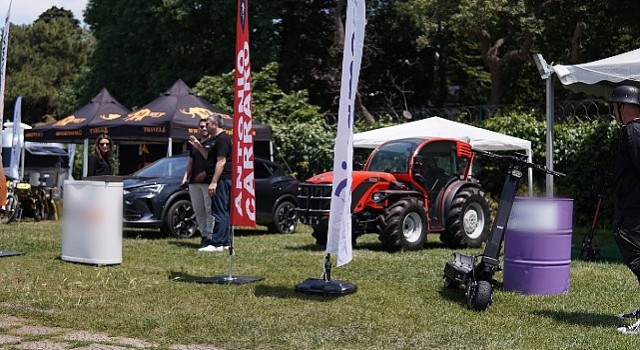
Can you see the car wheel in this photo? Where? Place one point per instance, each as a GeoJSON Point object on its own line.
{"type": "Point", "coordinates": [285, 218]}
{"type": "Point", "coordinates": [180, 220]}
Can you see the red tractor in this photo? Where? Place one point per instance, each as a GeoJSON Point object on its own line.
{"type": "Point", "coordinates": [407, 188]}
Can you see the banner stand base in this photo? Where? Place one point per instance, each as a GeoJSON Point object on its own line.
{"type": "Point", "coordinates": [7, 253]}
{"type": "Point", "coordinates": [324, 287]}
{"type": "Point", "coordinates": [227, 279]}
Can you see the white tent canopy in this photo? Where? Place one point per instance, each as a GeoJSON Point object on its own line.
{"type": "Point", "coordinates": [598, 78]}
{"type": "Point", "coordinates": [433, 127]}
{"type": "Point", "coordinates": [436, 127]}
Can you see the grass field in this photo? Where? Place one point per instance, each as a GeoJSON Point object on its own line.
{"type": "Point", "coordinates": [400, 302]}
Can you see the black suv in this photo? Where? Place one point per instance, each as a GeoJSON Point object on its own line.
{"type": "Point", "coordinates": [153, 198]}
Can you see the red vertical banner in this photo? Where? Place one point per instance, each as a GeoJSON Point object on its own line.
{"type": "Point", "coordinates": [243, 194]}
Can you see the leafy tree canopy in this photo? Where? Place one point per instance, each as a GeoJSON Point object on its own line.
{"type": "Point", "coordinates": [44, 61]}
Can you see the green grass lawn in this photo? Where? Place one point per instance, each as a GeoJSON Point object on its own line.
{"type": "Point", "coordinates": [400, 302]}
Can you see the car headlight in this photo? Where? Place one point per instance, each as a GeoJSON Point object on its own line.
{"type": "Point", "coordinates": [154, 189]}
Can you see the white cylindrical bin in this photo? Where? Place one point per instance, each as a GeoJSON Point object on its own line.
{"type": "Point", "coordinates": [92, 222]}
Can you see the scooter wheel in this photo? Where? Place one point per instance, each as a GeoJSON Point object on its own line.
{"type": "Point", "coordinates": [479, 295]}
{"type": "Point", "coordinates": [449, 283]}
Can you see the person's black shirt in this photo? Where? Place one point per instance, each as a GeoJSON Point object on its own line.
{"type": "Point", "coordinates": [626, 172]}
{"type": "Point", "coordinates": [98, 166]}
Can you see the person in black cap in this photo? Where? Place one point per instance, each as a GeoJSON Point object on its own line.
{"type": "Point", "coordinates": [625, 106]}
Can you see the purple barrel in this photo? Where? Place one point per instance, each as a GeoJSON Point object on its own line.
{"type": "Point", "coordinates": [537, 246]}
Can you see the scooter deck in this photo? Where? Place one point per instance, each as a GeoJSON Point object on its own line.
{"type": "Point", "coordinates": [460, 268]}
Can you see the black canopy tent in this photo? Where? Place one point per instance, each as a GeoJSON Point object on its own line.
{"type": "Point", "coordinates": [143, 134]}
{"type": "Point", "coordinates": [76, 127]}
{"type": "Point", "coordinates": [173, 115]}
{"type": "Point", "coordinates": [170, 118]}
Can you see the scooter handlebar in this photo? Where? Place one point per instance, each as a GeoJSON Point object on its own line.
{"type": "Point", "coordinates": [519, 160]}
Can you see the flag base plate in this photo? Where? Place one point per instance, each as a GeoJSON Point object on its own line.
{"type": "Point", "coordinates": [226, 279]}
{"type": "Point", "coordinates": [6, 253]}
{"type": "Point", "coordinates": [324, 287]}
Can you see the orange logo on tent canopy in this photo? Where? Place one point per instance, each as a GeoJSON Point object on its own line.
{"type": "Point", "coordinates": [68, 120]}
{"type": "Point", "coordinates": [110, 116]}
{"type": "Point", "coordinates": [141, 114]}
{"type": "Point", "coordinates": [203, 113]}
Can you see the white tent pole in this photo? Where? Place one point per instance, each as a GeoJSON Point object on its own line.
{"type": "Point", "coordinates": [85, 158]}
{"type": "Point", "coordinates": [530, 172]}
{"type": "Point", "coordinates": [550, 120]}
{"type": "Point", "coordinates": [546, 72]}
{"type": "Point", "coordinates": [170, 148]}
{"type": "Point", "coordinates": [22, 153]}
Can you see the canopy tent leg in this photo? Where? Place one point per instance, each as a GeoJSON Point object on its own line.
{"type": "Point", "coordinates": [85, 158]}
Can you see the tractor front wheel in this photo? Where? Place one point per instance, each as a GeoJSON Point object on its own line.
{"type": "Point", "coordinates": [405, 225]}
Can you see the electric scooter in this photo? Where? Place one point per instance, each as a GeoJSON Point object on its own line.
{"type": "Point", "coordinates": [476, 272]}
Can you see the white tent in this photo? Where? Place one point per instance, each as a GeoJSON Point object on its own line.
{"type": "Point", "coordinates": [435, 127]}
{"type": "Point", "coordinates": [598, 78]}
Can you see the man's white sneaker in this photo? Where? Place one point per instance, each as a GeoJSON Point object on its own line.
{"type": "Point", "coordinates": [634, 313]}
{"type": "Point", "coordinates": [631, 329]}
{"type": "Point", "coordinates": [211, 248]}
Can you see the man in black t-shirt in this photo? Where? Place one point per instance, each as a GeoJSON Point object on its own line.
{"type": "Point", "coordinates": [218, 162]}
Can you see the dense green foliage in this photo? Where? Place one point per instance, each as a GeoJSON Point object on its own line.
{"type": "Point", "coordinates": [144, 46]}
{"type": "Point", "coordinates": [302, 138]}
{"type": "Point", "coordinates": [44, 63]}
{"type": "Point", "coordinates": [418, 53]}
{"type": "Point", "coordinates": [582, 151]}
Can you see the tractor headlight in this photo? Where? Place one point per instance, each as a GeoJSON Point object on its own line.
{"type": "Point", "coordinates": [377, 197]}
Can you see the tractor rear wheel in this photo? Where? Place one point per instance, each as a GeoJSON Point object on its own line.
{"type": "Point", "coordinates": [467, 219]}
{"type": "Point", "coordinates": [405, 225]}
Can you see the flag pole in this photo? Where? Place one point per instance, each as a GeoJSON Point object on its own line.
{"type": "Point", "coordinates": [340, 228]}
{"type": "Point", "coordinates": [242, 198]}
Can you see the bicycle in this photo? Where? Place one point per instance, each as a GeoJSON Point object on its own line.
{"type": "Point", "coordinates": [45, 207]}
{"type": "Point", "coordinates": [12, 207]}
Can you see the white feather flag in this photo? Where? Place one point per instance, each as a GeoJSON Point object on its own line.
{"type": "Point", "coordinates": [339, 235]}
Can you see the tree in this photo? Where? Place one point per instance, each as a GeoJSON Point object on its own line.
{"type": "Point", "coordinates": [144, 46]}
{"type": "Point", "coordinates": [301, 135]}
{"type": "Point", "coordinates": [44, 62]}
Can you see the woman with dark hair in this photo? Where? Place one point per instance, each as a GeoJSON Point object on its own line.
{"type": "Point", "coordinates": [100, 161]}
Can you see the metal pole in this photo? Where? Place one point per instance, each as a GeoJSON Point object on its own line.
{"type": "Point", "coordinates": [85, 158]}
{"type": "Point", "coordinates": [550, 120]}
